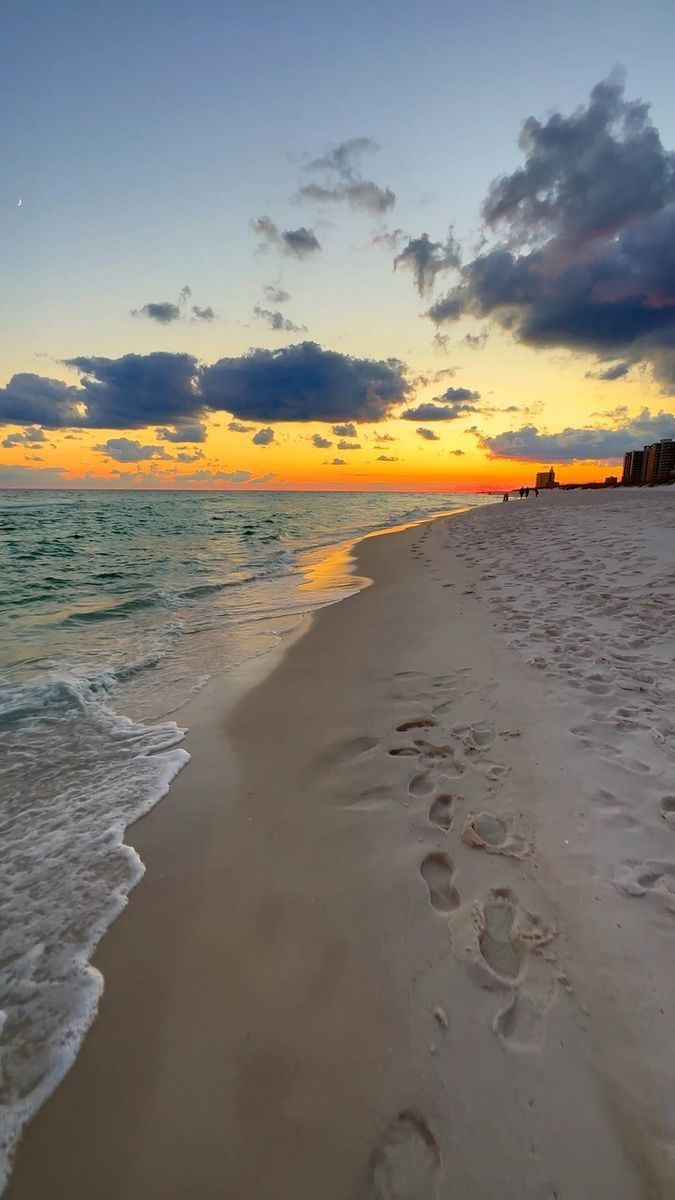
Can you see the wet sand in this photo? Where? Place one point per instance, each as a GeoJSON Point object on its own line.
{"type": "Point", "coordinates": [377, 952]}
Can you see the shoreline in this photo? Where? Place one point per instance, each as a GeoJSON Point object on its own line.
{"type": "Point", "coordinates": [270, 1018]}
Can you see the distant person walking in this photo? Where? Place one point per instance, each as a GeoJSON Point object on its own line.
{"type": "Point", "coordinates": [505, 497]}
{"type": "Point", "coordinates": [536, 492]}
{"type": "Point", "coordinates": [521, 492]}
{"type": "Point", "coordinates": [527, 493]}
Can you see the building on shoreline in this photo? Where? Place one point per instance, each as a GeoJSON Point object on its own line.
{"type": "Point", "coordinates": [651, 465]}
{"type": "Point", "coordinates": [545, 479]}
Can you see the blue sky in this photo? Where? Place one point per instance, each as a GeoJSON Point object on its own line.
{"type": "Point", "coordinates": [143, 137]}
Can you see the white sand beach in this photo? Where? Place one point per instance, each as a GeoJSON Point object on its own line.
{"type": "Point", "coordinates": [407, 923]}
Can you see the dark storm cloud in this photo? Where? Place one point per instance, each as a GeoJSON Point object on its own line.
{"type": "Point", "coordinates": [135, 390]}
{"type": "Point", "coordinates": [454, 403]}
{"type": "Point", "coordinates": [426, 259]}
{"type": "Point", "coordinates": [578, 445]}
{"type": "Point", "coordinates": [428, 435]}
{"type": "Point", "coordinates": [31, 438]}
{"type": "Point", "coordinates": [344, 181]}
{"type": "Point", "coordinates": [586, 256]}
{"type": "Point", "coordinates": [304, 383]}
{"type": "Point", "coordinates": [299, 243]}
{"type": "Point", "coordinates": [182, 433]}
{"type": "Point", "coordinates": [346, 430]}
{"type": "Point", "coordinates": [264, 437]}
{"type": "Point", "coordinates": [276, 295]}
{"type": "Point", "coordinates": [320, 442]}
{"type": "Point", "coordinates": [172, 391]}
{"type": "Point", "coordinates": [277, 321]}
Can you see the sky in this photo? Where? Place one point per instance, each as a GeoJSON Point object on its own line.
{"type": "Point", "coordinates": [418, 246]}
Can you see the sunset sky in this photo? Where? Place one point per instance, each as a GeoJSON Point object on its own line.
{"type": "Point", "coordinates": [290, 245]}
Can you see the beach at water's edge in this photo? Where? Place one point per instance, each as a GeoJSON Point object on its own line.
{"type": "Point", "coordinates": [407, 913]}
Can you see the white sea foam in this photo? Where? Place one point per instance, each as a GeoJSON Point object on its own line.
{"type": "Point", "coordinates": [65, 872]}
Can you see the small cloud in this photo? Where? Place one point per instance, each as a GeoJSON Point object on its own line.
{"type": "Point", "coordinates": [475, 341]}
{"type": "Point", "coordinates": [335, 462]}
{"type": "Point", "coordinates": [386, 458]}
{"type": "Point", "coordinates": [185, 457]}
{"type": "Point", "coordinates": [31, 438]}
{"type": "Point", "coordinates": [616, 371]}
{"type": "Point", "coordinates": [126, 450]}
{"type": "Point", "coordinates": [343, 181]}
{"type": "Point", "coordinates": [320, 442]}
{"type": "Point", "coordinates": [162, 311]}
{"type": "Point", "coordinates": [182, 433]}
{"type": "Point", "coordinates": [276, 295]}
{"type": "Point", "coordinates": [458, 453]}
{"type": "Point", "coordinates": [385, 437]}
{"type": "Point", "coordinates": [347, 430]}
{"type": "Point", "coordinates": [203, 314]}
{"type": "Point", "coordinates": [277, 321]}
{"type": "Point", "coordinates": [239, 427]}
{"type": "Point", "coordinates": [264, 437]}
{"type": "Point", "coordinates": [299, 243]}
{"type": "Point", "coordinates": [348, 446]}
{"type": "Point", "coordinates": [428, 434]}
{"type": "Point", "coordinates": [426, 259]}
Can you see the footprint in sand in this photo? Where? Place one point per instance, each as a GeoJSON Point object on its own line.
{"type": "Point", "coordinates": [437, 870]}
{"type": "Point", "coordinates": [483, 831]}
{"type": "Point", "coordinates": [440, 812]}
{"type": "Point", "coordinates": [475, 737]}
{"type": "Point", "coordinates": [499, 941]}
{"type": "Point", "coordinates": [640, 879]}
{"type": "Point", "coordinates": [406, 1161]}
{"type": "Point", "coordinates": [421, 785]}
{"type": "Point", "coordinates": [416, 723]}
{"type": "Point", "coordinates": [668, 810]}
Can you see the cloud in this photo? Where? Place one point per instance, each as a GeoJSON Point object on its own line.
{"type": "Point", "coordinates": [320, 442]}
{"type": "Point", "coordinates": [348, 446]}
{"type": "Point", "coordinates": [277, 321]}
{"type": "Point", "coordinates": [585, 256]}
{"type": "Point", "coordinates": [335, 462]}
{"type": "Point", "coordinates": [385, 437]}
{"type": "Point", "coordinates": [264, 437]}
{"type": "Point", "coordinates": [206, 476]}
{"type": "Point", "coordinates": [14, 475]}
{"type": "Point", "coordinates": [475, 341]}
{"type": "Point", "coordinates": [239, 427]}
{"type": "Point", "coordinates": [125, 450]}
{"type": "Point", "coordinates": [184, 457]}
{"type": "Point", "coordinates": [182, 433]}
{"type": "Point", "coordinates": [454, 403]}
{"type": "Point", "coordinates": [299, 243]}
{"type": "Point", "coordinates": [162, 311]}
{"type": "Point", "coordinates": [392, 240]}
{"type": "Point", "coordinates": [458, 453]}
{"type": "Point", "coordinates": [32, 437]}
{"type": "Point", "coordinates": [203, 314]}
{"type": "Point", "coordinates": [428, 435]}
{"type": "Point", "coordinates": [304, 383]}
{"type": "Point", "coordinates": [616, 371]}
{"type": "Point", "coordinates": [344, 181]}
{"type": "Point", "coordinates": [386, 458]}
{"type": "Point", "coordinates": [276, 295]}
{"type": "Point", "coordinates": [426, 259]}
{"type": "Point", "coordinates": [347, 430]}
{"type": "Point", "coordinates": [579, 445]}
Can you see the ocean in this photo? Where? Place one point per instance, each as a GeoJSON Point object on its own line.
{"type": "Point", "coordinates": [115, 608]}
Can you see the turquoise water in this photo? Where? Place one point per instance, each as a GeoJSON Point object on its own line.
{"type": "Point", "coordinates": [114, 609]}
